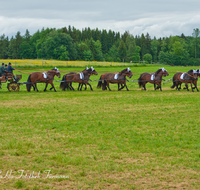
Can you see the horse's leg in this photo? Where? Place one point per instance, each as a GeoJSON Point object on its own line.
{"type": "Point", "coordinates": [82, 86]}
{"type": "Point", "coordinates": [118, 86]}
{"type": "Point", "coordinates": [46, 87]}
{"type": "Point", "coordinates": [122, 86]}
{"type": "Point", "coordinates": [71, 86]}
{"type": "Point", "coordinates": [154, 86]}
{"type": "Point", "coordinates": [107, 84]}
{"type": "Point", "coordinates": [191, 87]}
{"type": "Point", "coordinates": [126, 87]}
{"type": "Point", "coordinates": [85, 86]}
{"type": "Point", "coordinates": [160, 87]}
{"type": "Point", "coordinates": [196, 88]}
{"type": "Point", "coordinates": [179, 86]}
{"type": "Point", "coordinates": [67, 85]}
{"type": "Point", "coordinates": [195, 85]}
{"type": "Point", "coordinates": [53, 87]}
{"type": "Point", "coordinates": [90, 86]}
{"type": "Point", "coordinates": [144, 86]}
{"type": "Point", "coordinates": [35, 87]}
{"type": "Point", "coordinates": [186, 86]}
{"type": "Point", "coordinates": [79, 86]}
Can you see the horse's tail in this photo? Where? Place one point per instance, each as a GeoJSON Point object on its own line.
{"type": "Point", "coordinates": [100, 83]}
{"type": "Point", "coordinates": [28, 85]}
{"type": "Point", "coordinates": [62, 84]}
{"type": "Point", "coordinates": [140, 82]}
{"type": "Point", "coordinates": [174, 84]}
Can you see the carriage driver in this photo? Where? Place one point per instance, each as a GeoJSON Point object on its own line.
{"type": "Point", "coordinates": [10, 70]}
{"type": "Point", "coordinates": [2, 72]}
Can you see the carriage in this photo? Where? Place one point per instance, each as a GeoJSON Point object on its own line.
{"type": "Point", "coordinates": [12, 82]}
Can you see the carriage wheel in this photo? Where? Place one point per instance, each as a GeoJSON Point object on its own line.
{"type": "Point", "coordinates": [13, 87]}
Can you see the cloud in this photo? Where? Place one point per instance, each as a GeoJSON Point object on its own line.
{"type": "Point", "coordinates": [158, 18]}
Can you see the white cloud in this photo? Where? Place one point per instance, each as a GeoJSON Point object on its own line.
{"type": "Point", "coordinates": [158, 18]}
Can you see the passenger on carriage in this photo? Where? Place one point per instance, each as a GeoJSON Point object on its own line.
{"type": "Point", "coordinates": [2, 70]}
{"type": "Point", "coordinates": [10, 68]}
{"type": "Point", "coordinates": [6, 68]}
{"type": "Point", "coordinates": [2, 73]}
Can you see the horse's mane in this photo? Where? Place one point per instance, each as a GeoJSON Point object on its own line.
{"type": "Point", "coordinates": [122, 71]}
{"type": "Point", "coordinates": [89, 69]}
{"type": "Point", "coordinates": [190, 71]}
{"type": "Point", "coordinates": [158, 71]}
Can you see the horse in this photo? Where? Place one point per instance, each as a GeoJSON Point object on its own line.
{"type": "Point", "coordinates": [43, 78]}
{"type": "Point", "coordinates": [81, 78]}
{"type": "Point", "coordinates": [155, 78]}
{"type": "Point", "coordinates": [64, 85]}
{"type": "Point", "coordinates": [195, 81]}
{"type": "Point", "coordinates": [190, 77]}
{"type": "Point", "coordinates": [119, 78]}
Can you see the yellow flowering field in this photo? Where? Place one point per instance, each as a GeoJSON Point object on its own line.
{"type": "Point", "coordinates": [40, 62]}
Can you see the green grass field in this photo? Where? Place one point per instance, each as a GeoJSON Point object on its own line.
{"type": "Point", "coordinates": [100, 140]}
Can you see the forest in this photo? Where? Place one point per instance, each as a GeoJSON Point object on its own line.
{"type": "Point", "coordinates": [69, 43]}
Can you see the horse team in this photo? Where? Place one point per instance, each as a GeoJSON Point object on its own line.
{"type": "Point", "coordinates": [83, 78]}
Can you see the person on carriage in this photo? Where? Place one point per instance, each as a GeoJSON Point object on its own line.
{"type": "Point", "coordinates": [6, 67]}
{"type": "Point", "coordinates": [2, 70]}
{"type": "Point", "coordinates": [10, 68]}
{"type": "Point", "coordinates": [2, 73]}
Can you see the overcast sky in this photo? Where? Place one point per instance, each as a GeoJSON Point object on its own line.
{"type": "Point", "coordinates": [157, 17]}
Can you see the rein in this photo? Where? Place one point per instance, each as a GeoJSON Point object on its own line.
{"type": "Point", "coordinates": [190, 76]}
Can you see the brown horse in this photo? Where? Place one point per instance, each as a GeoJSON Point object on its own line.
{"type": "Point", "coordinates": [40, 77]}
{"type": "Point", "coordinates": [119, 78]}
{"type": "Point", "coordinates": [195, 81]}
{"type": "Point", "coordinates": [64, 85]}
{"type": "Point", "coordinates": [155, 78]}
{"type": "Point", "coordinates": [190, 77]}
{"type": "Point", "coordinates": [81, 78]}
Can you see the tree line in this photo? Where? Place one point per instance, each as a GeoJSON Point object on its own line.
{"type": "Point", "coordinates": [69, 43]}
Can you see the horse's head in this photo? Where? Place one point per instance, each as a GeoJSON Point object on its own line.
{"type": "Point", "coordinates": [90, 71]}
{"type": "Point", "coordinates": [126, 72]}
{"type": "Point", "coordinates": [57, 72]}
{"type": "Point", "coordinates": [198, 72]}
{"type": "Point", "coordinates": [195, 73]}
{"type": "Point", "coordinates": [93, 71]}
{"type": "Point", "coordinates": [164, 72]}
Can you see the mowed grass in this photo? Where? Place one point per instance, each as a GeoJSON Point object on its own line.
{"type": "Point", "coordinates": [100, 140]}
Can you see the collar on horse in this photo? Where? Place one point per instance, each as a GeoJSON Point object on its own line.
{"type": "Point", "coordinates": [116, 76]}
{"type": "Point", "coordinates": [81, 75]}
{"type": "Point", "coordinates": [153, 76]}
